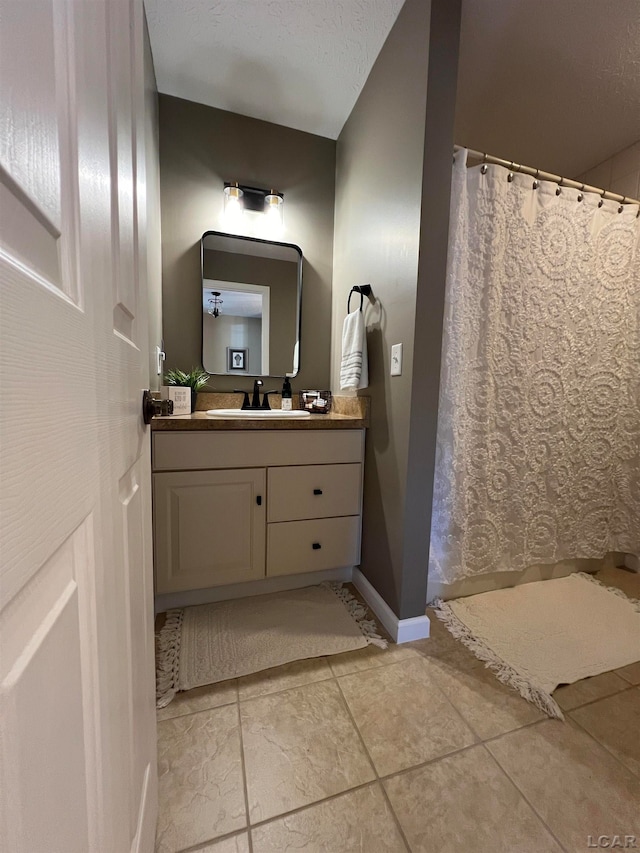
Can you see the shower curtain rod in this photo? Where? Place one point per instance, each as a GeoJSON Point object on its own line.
{"type": "Point", "coordinates": [546, 176]}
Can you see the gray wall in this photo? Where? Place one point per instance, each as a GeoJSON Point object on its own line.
{"type": "Point", "coordinates": [200, 148]}
{"type": "Point", "coordinates": [379, 208]}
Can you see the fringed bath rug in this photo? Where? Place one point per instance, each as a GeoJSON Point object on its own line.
{"type": "Point", "coordinates": [214, 642]}
{"type": "Point", "coordinates": [539, 635]}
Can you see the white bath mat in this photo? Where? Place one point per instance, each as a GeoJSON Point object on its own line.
{"type": "Point", "coordinates": [538, 635]}
{"type": "Point", "coordinates": [214, 642]}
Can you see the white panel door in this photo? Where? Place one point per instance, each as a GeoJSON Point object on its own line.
{"type": "Point", "coordinates": [77, 736]}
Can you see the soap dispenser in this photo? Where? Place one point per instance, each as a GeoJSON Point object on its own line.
{"type": "Point", "coordinates": [287, 403]}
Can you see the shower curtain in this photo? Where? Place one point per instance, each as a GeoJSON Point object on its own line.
{"type": "Point", "coordinates": [539, 419]}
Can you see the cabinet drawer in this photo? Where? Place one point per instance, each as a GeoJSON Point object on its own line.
{"type": "Point", "coordinates": [313, 491]}
{"type": "Point", "coordinates": [291, 551]}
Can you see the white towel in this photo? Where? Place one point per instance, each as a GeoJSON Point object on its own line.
{"type": "Point", "coordinates": [354, 368]}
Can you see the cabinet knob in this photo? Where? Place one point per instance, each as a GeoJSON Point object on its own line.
{"type": "Point", "coordinates": [316, 546]}
{"type": "Point", "coordinates": [259, 500]}
{"type": "Point", "coordinates": [317, 491]}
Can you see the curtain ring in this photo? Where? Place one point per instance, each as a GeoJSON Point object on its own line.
{"type": "Point", "coordinates": [559, 187]}
{"type": "Point", "coordinates": [601, 202]}
{"type": "Point", "coordinates": [510, 175]}
{"type": "Point", "coordinates": [536, 182]}
{"type": "Point", "coordinates": [581, 193]}
{"type": "Point", "coordinates": [621, 208]}
{"type": "Point", "coordinates": [483, 168]}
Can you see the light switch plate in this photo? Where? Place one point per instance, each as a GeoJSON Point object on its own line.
{"type": "Point", "coordinates": [160, 357]}
{"type": "Point", "coordinates": [396, 360]}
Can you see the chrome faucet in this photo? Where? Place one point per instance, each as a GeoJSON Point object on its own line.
{"type": "Point", "coordinates": [255, 401]}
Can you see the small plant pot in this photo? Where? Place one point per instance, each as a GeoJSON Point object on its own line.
{"type": "Point", "coordinates": [194, 400]}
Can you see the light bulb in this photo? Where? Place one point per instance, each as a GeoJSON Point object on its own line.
{"type": "Point", "coordinates": [274, 205]}
{"type": "Point", "coordinates": [233, 205]}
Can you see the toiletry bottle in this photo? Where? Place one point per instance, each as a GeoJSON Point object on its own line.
{"type": "Point", "coordinates": [287, 404]}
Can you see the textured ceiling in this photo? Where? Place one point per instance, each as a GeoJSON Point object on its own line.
{"type": "Point", "coordinates": [300, 63]}
{"type": "Point", "coordinates": [554, 84]}
{"type": "Point", "coordinates": [550, 83]}
{"type": "Point", "coordinates": [235, 303]}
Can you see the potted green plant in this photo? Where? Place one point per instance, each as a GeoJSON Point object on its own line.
{"type": "Point", "coordinates": [196, 379]}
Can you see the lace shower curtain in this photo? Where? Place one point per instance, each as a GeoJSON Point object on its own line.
{"type": "Point", "coordinates": [539, 421]}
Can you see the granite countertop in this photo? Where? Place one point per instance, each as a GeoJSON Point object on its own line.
{"type": "Point", "coordinates": [346, 413]}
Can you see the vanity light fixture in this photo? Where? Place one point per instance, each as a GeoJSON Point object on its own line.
{"type": "Point", "coordinates": [215, 303]}
{"type": "Point", "coordinates": [239, 198]}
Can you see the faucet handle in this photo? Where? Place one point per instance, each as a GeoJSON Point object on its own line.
{"type": "Point", "coordinates": [245, 400]}
{"type": "Point", "coordinates": [265, 399]}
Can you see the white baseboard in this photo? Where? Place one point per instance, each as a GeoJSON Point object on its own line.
{"type": "Point", "coordinates": [241, 590]}
{"type": "Point", "coordinates": [400, 630]}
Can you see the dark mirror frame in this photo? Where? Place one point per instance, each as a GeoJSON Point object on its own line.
{"type": "Point", "coordinates": [270, 243]}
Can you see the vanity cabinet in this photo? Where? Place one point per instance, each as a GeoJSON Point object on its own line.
{"type": "Point", "coordinates": [239, 506]}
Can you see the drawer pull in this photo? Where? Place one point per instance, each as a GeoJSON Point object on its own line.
{"type": "Point", "coordinates": [259, 500]}
{"type": "Point", "coordinates": [316, 546]}
{"type": "Point", "coordinates": [317, 491]}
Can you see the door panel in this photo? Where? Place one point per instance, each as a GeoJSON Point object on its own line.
{"type": "Point", "coordinates": [49, 702]}
{"type": "Point", "coordinates": [122, 148]}
{"type": "Point", "coordinates": [38, 195]}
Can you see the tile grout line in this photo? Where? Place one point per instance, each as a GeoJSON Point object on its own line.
{"type": "Point", "coordinates": [245, 785]}
{"type": "Point", "coordinates": [326, 678]}
{"type": "Point", "coordinates": [603, 745]}
{"type": "Point", "coordinates": [284, 689]}
{"type": "Point", "coordinates": [380, 780]}
{"type": "Point", "coordinates": [202, 845]}
{"type": "Point", "coordinates": [199, 711]}
{"type": "Point", "coordinates": [260, 823]}
{"type": "Point", "coordinates": [479, 742]}
{"type": "Point", "coordinates": [380, 666]}
{"type": "Point", "coordinates": [599, 699]}
{"type": "Point", "coordinates": [526, 800]}
{"type": "Point", "coordinates": [373, 767]}
{"type": "Point", "coordinates": [274, 818]}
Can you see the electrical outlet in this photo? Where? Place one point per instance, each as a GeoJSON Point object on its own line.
{"type": "Point", "coordinates": [396, 360]}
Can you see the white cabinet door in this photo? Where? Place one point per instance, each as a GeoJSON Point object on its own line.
{"type": "Point", "coordinates": [77, 739]}
{"type": "Point", "coordinates": [210, 528]}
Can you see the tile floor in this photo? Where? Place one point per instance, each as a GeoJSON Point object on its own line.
{"type": "Point", "coordinates": [417, 748]}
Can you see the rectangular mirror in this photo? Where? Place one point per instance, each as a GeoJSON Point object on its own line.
{"type": "Point", "coordinates": [251, 299]}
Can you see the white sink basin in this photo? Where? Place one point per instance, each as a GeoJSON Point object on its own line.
{"type": "Point", "coordinates": [261, 414]}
